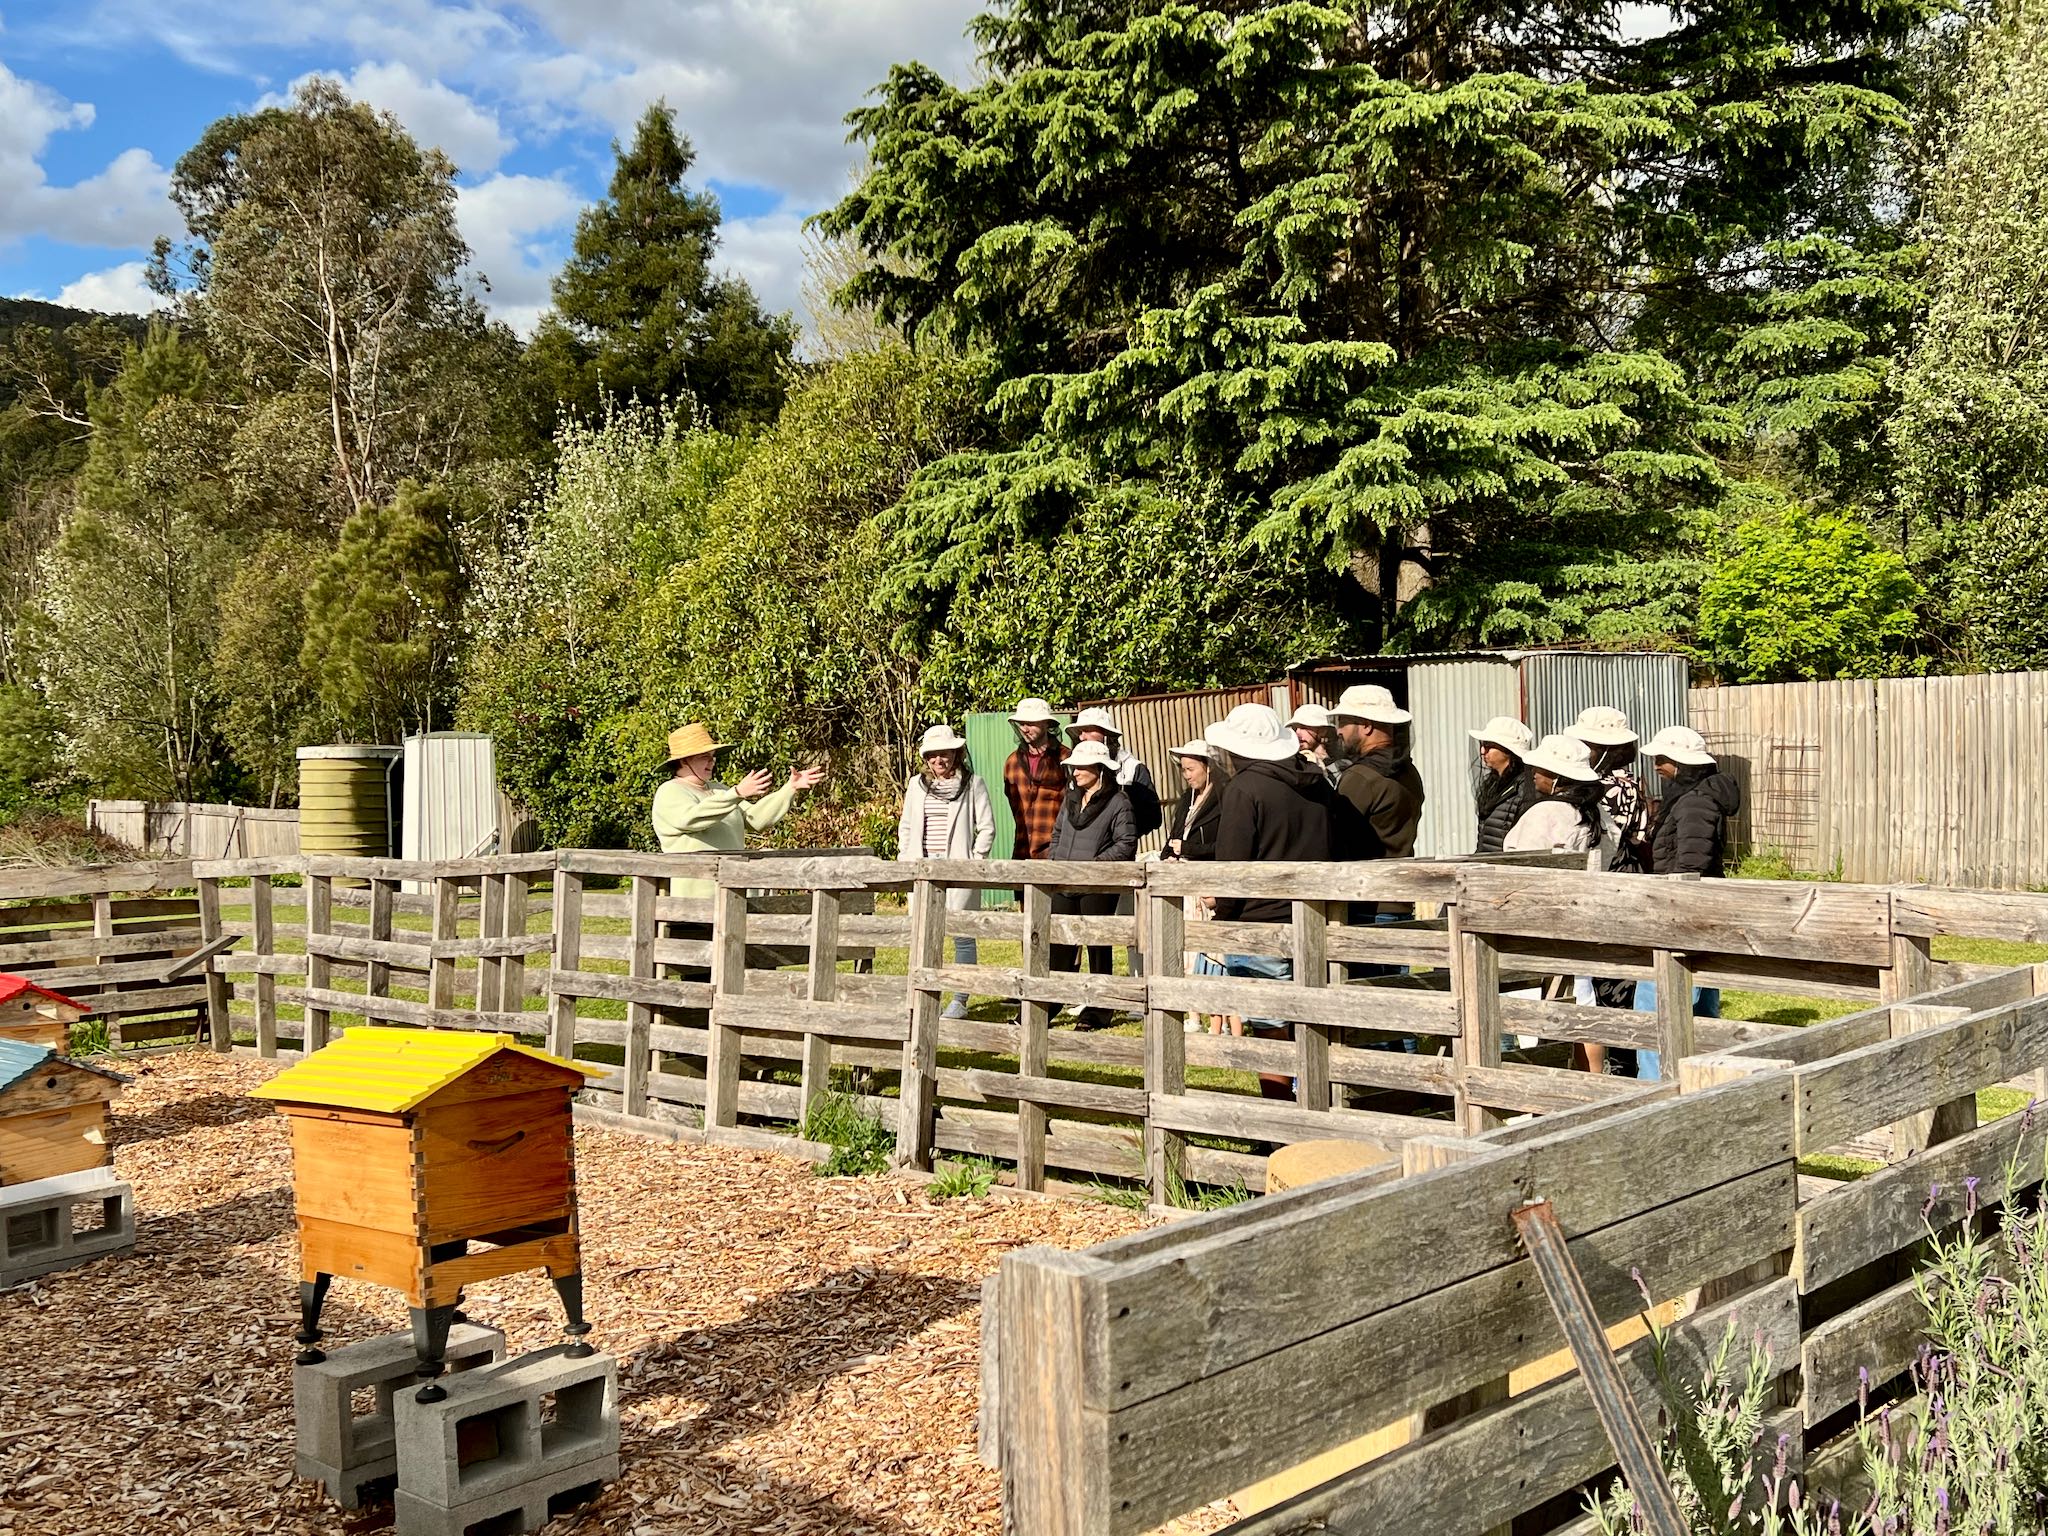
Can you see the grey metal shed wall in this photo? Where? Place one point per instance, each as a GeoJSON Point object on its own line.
{"type": "Point", "coordinates": [1154, 724]}
{"type": "Point", "coordinates": [1649, 687]}
{"type": "Point", "coordinates": [1449, 699]}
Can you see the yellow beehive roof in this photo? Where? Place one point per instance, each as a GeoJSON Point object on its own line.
{"type": "Point", "coordinates": [389, 1070]}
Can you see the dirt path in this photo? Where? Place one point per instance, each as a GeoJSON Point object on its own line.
{"type": "Point", "coordinates": [798, 1355]}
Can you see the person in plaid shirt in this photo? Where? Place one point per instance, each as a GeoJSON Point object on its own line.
{"type": "Point", "coordinates": [1033, 779]}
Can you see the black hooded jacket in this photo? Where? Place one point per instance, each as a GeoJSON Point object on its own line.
{"type": "Point", "coordinates": [1382, 807]}
{"type": "Point", "coordinates": [1272, 813]}
{"type": "Point", "coordinates": [1692, 827]}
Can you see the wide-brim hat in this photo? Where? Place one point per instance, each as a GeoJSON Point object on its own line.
{"type": "Point", "coordinates": [1369, 701]}
{"type": "Point", "coordinates": [1565, 756]}
{"type": "Point", "coordinates": [1090, 754]}
{"type": "Point", "coordinates": [1507, 733]}
{"type": "Point", "coordinates": [692, 740]}
{"type": "Point", "coordinates": [1681, 744]}
{"type": "Point", "coordinates": [1254, 731]}
{"type": "Point", "coordinates": [1033, 712]}
{"type": "Point", "coordinates": [1197, 748]}
{"type": "Point", "coordinates": [1602, 725]}
{"type": "Point", "coordinates": [1094, 717]}
{"type": "Point", "coordinates": [1310, 717]}
{"type": "Point", "coordinates": [940, 738]}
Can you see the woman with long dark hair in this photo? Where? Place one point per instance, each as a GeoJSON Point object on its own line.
{"type": "Point", "coordinates": [1500, 786]}
{"type": "Point", "coordinates": [1563, 808]}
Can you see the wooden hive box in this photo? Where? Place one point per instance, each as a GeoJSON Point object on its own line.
{"type": "Point", "coordinates": [53, 1113]}
{"type": "Point", "coordinates": [411, 1145]}
{"type": "Point", "coordinates": [35, 1013]}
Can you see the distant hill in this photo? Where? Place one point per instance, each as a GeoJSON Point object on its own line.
{"type": "Point", "coordinates": [16, 313]}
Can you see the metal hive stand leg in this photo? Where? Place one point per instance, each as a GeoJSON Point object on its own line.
{"type": "Point", "coordinates": [312, 1294]}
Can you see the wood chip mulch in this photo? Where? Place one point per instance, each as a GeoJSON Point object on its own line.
{"type": "Point", "coordinates": [798, 1355]}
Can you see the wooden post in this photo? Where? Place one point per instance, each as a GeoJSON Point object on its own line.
{"type": "Point", "coordinates": [639, 1015]}
{"type": "Point", "coordinates": [378, 979]}
{"type": "Point", "coordinates": [917, 1105]}
{"type": "Point", "coordinates": [490, 969]}
{"type": "Point", "coordinates": [441, 969]}
{"type": "Point", "coordinates": [1034, 1036]}
{"type": "Point", "coordinates": [219, 1028]}
{"type": "Point", "coordinates": [728, 979]}
{"type": "Point", "coordinates": [1929, 1127]}
{"type": "Point", "coordinates": [1166, 1042]}
{"type": "Point", "coordinates": [103, 928]}
{"type": "Point", "coordinates": [1912, 968]}
{"type": "Point", "coordinates": [1311, 945]}
{"type": "Point", "coordinates": [512, 971]}
{"type": "Point", "coordinates": [319, 970]}
{"type": "Point", "coordinates": [568, 956]}
{"type": "Point", "coordinates": [821, 986]}
{"type": "Point", "coordinates": [263, 940]}
{"type": "Point", "coordinates": [1674, 1008]}
{"type": "Point", "coordinates": [1054, 1456]}
{"type": "Point", "coordinates": [1475, 972]}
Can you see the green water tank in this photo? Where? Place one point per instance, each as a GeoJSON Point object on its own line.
{"type": "Point", "coordinates": [345, 805]}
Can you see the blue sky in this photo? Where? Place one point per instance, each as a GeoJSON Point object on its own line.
{"type": "Point", "coordinates": [98, 98]}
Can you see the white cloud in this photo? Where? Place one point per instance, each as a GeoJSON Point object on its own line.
{"type": "Point", "coordinates": [517, 228]}
{"type": "Point", "coordinates": [116, 291]}
{"type": "Point", "coordinates": [435, 114]}
{"type": "Point", "coordinates": [125, 204]}
{"type": "Point", "coordinates": [768, 252]}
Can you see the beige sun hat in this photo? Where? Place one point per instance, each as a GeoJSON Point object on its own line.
{"type": "Point", "coordinates": [1369, 701]}
{"type": "Point", "coordinates": [1682, 745]}
{"type": "Point", "coordinates": [1602, 725]}
{"type": "Point", "coordinates": [1197, 748]}
{"type": "Point", "coordinates": [1507, 733]}
{"type": "Point", "coordinates": [1033, 712]}
{"type": "Point", "coordinates": [1565, 756]}
{"type": "Point", "coordinates": [1090, 754]}
{"type": "Point", "coordinates": [1097, 718]}
{"type": "Point", "coordinates": [692, 740]}
{"type": "Point", "coordinates": [1254, 731]}
{"type": "Point", "coordinates": [940, 738]}
{"type": "Point", "coordinates": [1310, 717]}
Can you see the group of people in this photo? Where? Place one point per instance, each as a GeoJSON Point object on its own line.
{"type": "Point", "coordinates": [1334, 783]}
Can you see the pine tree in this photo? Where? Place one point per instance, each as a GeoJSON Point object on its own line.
{"type": "Point", "coordinates": [1382, 268]}
{"type": "Point", "coordinates": [639, 312]}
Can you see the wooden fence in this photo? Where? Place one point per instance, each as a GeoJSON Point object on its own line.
{"type": "Point", "coordinates": [171, 829]}
{"type": "Point", "coordinates": [1373, 1353]}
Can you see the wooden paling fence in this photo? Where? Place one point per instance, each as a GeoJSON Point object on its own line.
{"type": "Point", "coordinates": [1373, 1353]}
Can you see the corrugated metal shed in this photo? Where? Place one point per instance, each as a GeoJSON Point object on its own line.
{"type": "Point", "coordinates": [451, 796]}
{"type": "Point", "coordinates": [1453, 692]}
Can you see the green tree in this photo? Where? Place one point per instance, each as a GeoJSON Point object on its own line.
{"type": "Point", "coordinates": [1972, 431]}
{"type": "Point", "coordinates": [639, 311]}
{"type": "Point", "coordinates": [382, 618]}
{"type": "Point", "coordinates": [325, 269]}
{"type": "Point", "coordinates": [1808, 595]}
{"type": "Point", "coordinates": [2004, 585]}
{"type": "Point", "coordinates": [1379, 267]}
{"type": "Point", "coordinates": [270, 705]}
{"type": "Point", "coordinates": [128, 592]}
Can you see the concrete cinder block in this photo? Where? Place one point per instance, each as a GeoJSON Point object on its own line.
{"type": "Point", "coordinates": [346, 1450]}
{"type": "Point", "coordinates": [507, 1426]}
{"type": "Point", "coordinates": [39, 1230]}
{"type": "Point", "coordinates": [526, 1507]}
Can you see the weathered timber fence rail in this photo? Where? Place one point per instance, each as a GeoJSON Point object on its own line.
{"type": "Point", "coordinates": [1389, 1323]}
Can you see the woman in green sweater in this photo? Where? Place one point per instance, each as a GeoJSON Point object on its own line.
{"type": "Point", "coordinates": [694, 813]}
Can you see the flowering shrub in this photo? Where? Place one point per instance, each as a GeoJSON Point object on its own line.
{"type": "Point", "coordinates": [1965, 1452]}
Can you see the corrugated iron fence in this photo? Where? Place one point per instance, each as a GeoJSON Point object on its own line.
{"type": "Point", "coordinates": [1936, 780]}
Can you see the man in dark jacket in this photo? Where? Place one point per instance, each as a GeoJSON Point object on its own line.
{"type": "Point", "coordinates": [1276, 808]}
{"type": "Point", "coordinates": [1690, 838]}
{"type": "Point", "coordinates": [1380, 800]}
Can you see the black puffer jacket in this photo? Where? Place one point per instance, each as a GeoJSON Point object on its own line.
{"type": "Point", "coordinates": [1104, 828]}
{"type": "Point", "coordinates": [1278, 812]}
{"type": "Point", "coordinates": [1692, 826]}
{"type": "Point", "coordinates": [1499, 800]}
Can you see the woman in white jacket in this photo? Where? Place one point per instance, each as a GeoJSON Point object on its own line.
{"type": "Point", "coordinates": [1564, 809]}
{"type": "Point", "coordinates": [947, 814]}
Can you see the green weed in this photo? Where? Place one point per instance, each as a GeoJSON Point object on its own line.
{"type": "Point", "coordinates": [966, 1178]}
{"type": "Point", "coordinates": [860, 1143]}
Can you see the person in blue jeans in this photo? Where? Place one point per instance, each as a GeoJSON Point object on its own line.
{"type": "Point", "coordinates": [1275, 808]}
{"type": "Point", "coordinates": [1689, 837]}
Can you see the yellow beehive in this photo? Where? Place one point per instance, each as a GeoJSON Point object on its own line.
{"type": "Point", "coordinates": [411, 1145]}
{"type": "Point", "coordinates": [53, 1113]}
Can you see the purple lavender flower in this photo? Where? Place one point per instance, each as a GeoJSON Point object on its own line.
{"type": "Point", "coordinates": [1970, 1184]}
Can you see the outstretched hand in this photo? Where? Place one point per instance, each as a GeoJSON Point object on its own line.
{"type": "Point", "coordinates": [807, 778]}
{"type": "Point", "coordinates": [755, 784]}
